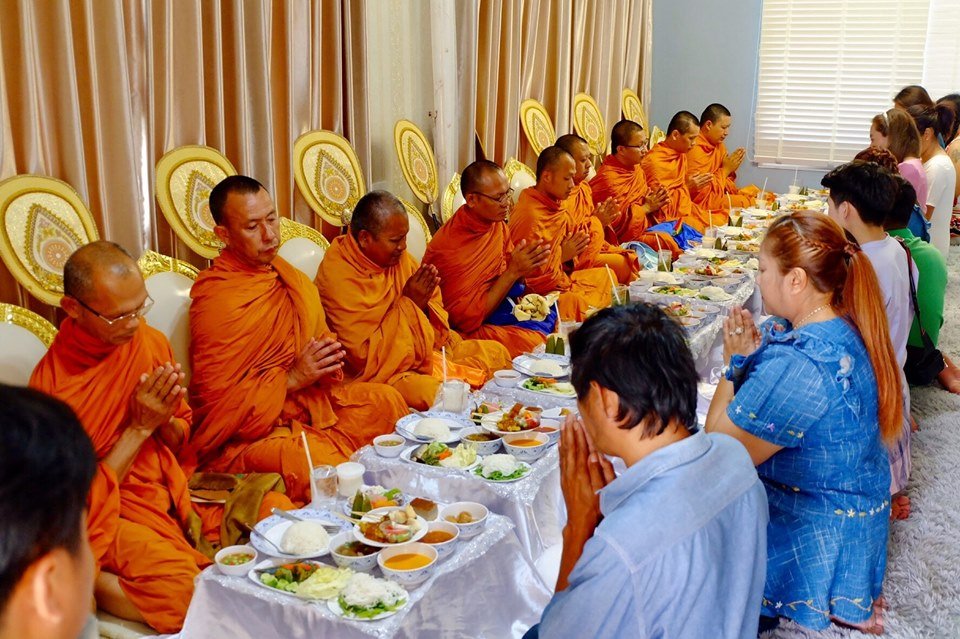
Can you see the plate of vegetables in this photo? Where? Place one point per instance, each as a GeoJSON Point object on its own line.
{"type": "Point", "coordinates": [370, 497]}
{"type": "Point", "coordinates": [548, 386]}
{"type": "Point", "coordinates": [310, 580]}
{"type": "Point", "coordinates": [439, 455]}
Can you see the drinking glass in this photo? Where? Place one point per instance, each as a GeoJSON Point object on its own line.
{"type": "Point", "coordinates": [323, 480]}
{"type": "Point", "coordinates": [350, 478]}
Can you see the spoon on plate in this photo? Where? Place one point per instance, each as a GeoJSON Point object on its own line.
{"type": "Point", "coordinates": [331, 528]}
{"type": "Point", "coordinates": [253, 531]}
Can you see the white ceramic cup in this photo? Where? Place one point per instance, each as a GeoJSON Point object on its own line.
{"type": "Point", "coordinates": [350, 478]}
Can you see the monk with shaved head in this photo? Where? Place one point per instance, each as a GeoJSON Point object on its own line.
{"type": "Point", "coordinates": [666, 165]}
{"type": "Point", "coordinates": [388, 310]}
{"type": "Point", "coordinates": [119, 376]}
{"type": "Point", "coordinates": [709, 157]}
{"type": "Point", "coordinates": [481, 270]}
{"type": "Point", "coordinates": [540, 218]}
{"type": "Point", "coordinates": [266, 366]}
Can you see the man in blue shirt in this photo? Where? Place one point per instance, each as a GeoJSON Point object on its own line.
{"type": "Point", "coordinates": [676, 545]}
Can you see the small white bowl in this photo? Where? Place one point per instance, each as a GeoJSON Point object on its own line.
{"type": "Point", "coordinates": [550, 428]}
{"type": "Point", "coordinates": [238, 570]}
{"type": "Point", "coordinates": [409, 577]}
{"type": "Point", "coordinates": [389, 451]}
{"type": "Point", "coordinates": [477, 511]}
{"type": "Point", "coordinates": [506, 378]}
{"type": "Point", "coordinates": [527, 453]}
{"type": "Point", "coordinates": [444, 548]}
{"type": "Point", "coordinates": [483, 448]}
{"type": "Point", "coordinates": [365, 563]}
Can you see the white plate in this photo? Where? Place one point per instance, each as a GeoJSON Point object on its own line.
{"type": "Point", "coordinates": [489, 423]}
{"type": "Point", "coordinates": [524, 465]}
{"type": "Point", "coordinates": [406, 456]}
{"type": "Point", "coordinates": [273, 527]}
{"type": "Point", "coordinates": [407, 423]}
{"type": "Point", "coordinates": [254, 576]}
{"type": "Point", "coordinates": [523, 363]}
{"type": "Point", "coordinates": [553, 393]}
{"type": "Point", "coordinates": [334, 606]}
{"type": "Point", "coordinates": [554, 413]}
{"type": "Point", "coordinates": [417, 536]}
{"type": "Point", "coordinates": [348, 505]}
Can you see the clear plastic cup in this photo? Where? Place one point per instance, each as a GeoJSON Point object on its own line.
{"type": "Point", "coordinates": [453, 395]}
{"type": "Point", "coordinates": [350, 478]}
{"type": "Point", "coordinates": [323, 480]}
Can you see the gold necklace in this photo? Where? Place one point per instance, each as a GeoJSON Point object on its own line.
{"type": "Point", "coordinates": [809, 315]}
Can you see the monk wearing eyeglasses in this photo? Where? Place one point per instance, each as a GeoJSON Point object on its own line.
{"type": "Point", "coordinates": [709, 157]}
{"type": "Point", "coordinates": [388, 311]}
{"type": "Point", "coordinates": [481, 270]}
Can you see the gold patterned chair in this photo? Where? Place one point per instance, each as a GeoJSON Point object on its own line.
{"type": "Point", "coordinates": [327, 173]}
{"type": "Point", "coordinates": [537, 125]}
{"type": "Point", "coordinates": [168, 283]}
{"type": "Point", "coordinates": [632, 107]}
{"type": "Point", "coordinates": [452, 199]}
{"type": "Point", "coordinates": [303, 246]}
{"type": "Point", "coordinates": [657, 136]}
{"type": "Point", "coordinates": [25, 337]}
{"type": "Point", "coordinates": [520, 177]}
{"type": "Point", "coordinates": [588, 123]}
{"type": "Point", "coordinates": [419, 234]}
{"type": "Point", "coordinates": [42, 221]}
{"type": "Point", "coordinates": [417, 161]}
{"type": "Point", "coordinates": [185, 177]}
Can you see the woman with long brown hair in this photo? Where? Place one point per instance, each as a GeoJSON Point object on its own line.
{"type": "Point", "coordinates": [933, 123]}
{"type": "Point", "coordinates": [813, 395]}
{"type": "Point", "coordinates": [895, 131]}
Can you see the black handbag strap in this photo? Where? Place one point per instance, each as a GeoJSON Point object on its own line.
{"type": "Point", "coordinates": [927, 342]}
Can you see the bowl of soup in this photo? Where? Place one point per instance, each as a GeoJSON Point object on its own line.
{"type": "Point", "coordinates": [550, 428]}
{"type": "Point", "coordinates": [347, 552]}
{"type": "Point", "coordinates": [487, 443]}
{"type": "Point", "coordinates": [236, 561]}
{"type": "Point", "coordinates": [442, 535]}
{"type": "Point", "coordinates": [469, 516]}
{"type": "Point", "coordinates": [389, 445]}
{"type": "Point", "coordinates": [409, 564]}
{"type": "Point", "coordinates": [529, 446]}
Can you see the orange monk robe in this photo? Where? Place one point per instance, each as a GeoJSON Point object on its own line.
{"type": "Point", "coordinates": [629, 186]}
{"type": "Point", "coordinates": [387, 337]}
{"type": "Point", "coordinates": [248, 325]}
{"type": "Point", "coordinates": [537, 218]}
{"type": "Point", "coordinates": [721, 192]}
{"type": "Point", "coordinates": [599, 253]}
{"type": "Point", "coordinates": [470, 255]}
{"type": "Point", "coordinates": [138, 526]}
{"type": "Point", "coordinates": [669, 167]}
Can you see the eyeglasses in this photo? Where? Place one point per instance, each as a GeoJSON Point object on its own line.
{"type": "Point", "coordinates": [642, 147]}
{"type": "Point", "coordinates": [126, 317]}
{"type": "Point", "coordinates": [506, 198]}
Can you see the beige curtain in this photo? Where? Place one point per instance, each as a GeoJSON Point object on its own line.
{"type": "Point", "coordinates": [551, 50]}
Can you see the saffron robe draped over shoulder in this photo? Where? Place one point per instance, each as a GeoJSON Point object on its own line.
{"type": "Point", "coordinates": [668, 167]}
{"type": "Point", "coordinates": [471, 255]}
{"type": "Point", "coordinates": [538, 218]}
{"type": "Point", "coordinates": [388, 338]}
{"type": "Point", "coordinates": [580, 207]}
{"type": "Point", "coordinates": [138, 526]}
{"type": "Point", "coordinates": [248, 326]}
{"type": "Point", "coordinates": [721, 192]}
{"type": "Point", "coordinates": [629, 186]}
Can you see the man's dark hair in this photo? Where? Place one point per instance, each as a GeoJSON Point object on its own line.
{"type": "Point", "coordinates": [46, 466]}
{"type": "Point", "coordinates": [549, 158]}
{"type": "Point", "coordinates": [866, 185]}
{"type": "Point", "coordinates": [714, 112]}
{"type": "Point", "coordinates": [372, 210]}
{"type": "Point", "coordinates": [621, 134]}
{"type": "Point", "coordinates": [903, 203]}
{"type": "Point", "coordinates": [474, 173]}
{"type": "Point", "coordinates": [640, 354]}
{"type": "Point", "coordinates": [569, 142]}
{"type": "Point", "coordinates": [240, 184]}
{"type": "Point", "coordinates": [682, 122]}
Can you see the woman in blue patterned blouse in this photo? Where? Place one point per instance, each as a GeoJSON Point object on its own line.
{"type": "Point", "coordinates": [813, 395]}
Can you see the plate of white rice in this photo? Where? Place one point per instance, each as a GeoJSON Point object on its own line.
{"type": "Point", "coordinates": [299, 540]}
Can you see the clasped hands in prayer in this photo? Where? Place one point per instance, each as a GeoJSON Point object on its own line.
{"type": "Point", "coordinates": [421, 285]}
{"type": "Point", "coordinates": [583, 472]}
{"type": "Point", "coordinates": [154, 402]}
{"type": "Point", "coordinates": [740, 334]}
{"type": "Point", "coordinates": [656, 199]}
{"type": "Point", "coordinates": [527, 258]}
{"type": "Point", "coordinates": [732, 161]}
{"type": "Point", "coordinates": [319, 358]}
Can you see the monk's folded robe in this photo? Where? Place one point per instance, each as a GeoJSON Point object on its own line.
{"type": "Point", "coordinates": [388, 338]}
{"type": "Point", "coordinates": [248, 326]}
{"type": "Point", "coordinates": [580, 207]}
{"type": "Point", "coordinates": [721, 192]}
{"type": "Point", "coordinates": [471, 254]}
{"type": "Point", "coordinates": [668, 167]}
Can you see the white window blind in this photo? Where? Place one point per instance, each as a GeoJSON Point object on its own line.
{"type": "Point", "coordinates": [826, 68]}
{"type": "Point", "coordinates": [941, 69]}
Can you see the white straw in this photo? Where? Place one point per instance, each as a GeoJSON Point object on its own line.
{"type": "Point", "coordinates": [443, 353]}
{"type": "Point", "coordinates": [796, 173]}
{"type": "Point", "coordinates": [763, 194]}
{"type": "Point", "coordinates": [613, 284]}
{"type": "Point", "coordinates": [306, 449]}
{"type": "Point", "coordinates": [729, 202]}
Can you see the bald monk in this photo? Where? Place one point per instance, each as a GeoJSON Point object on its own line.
{"type": "Point", "coordinates": [119, 376]}
{"type": "Point", "coordinates": [621, 178]}
{"type": "Point", "coordinates": [666, 165]}
{"type": "Point", "coordinates": [709, 157]}
{"type": "Point", "coordinates": [479, 267]}
{"type": "Point", "coordinates": [389, 313]}
{"type": "Point", "coordinates": [539, 217]}
{"type": "Point", "coordinates": [591, 219]}
{"type": "Point", "coordinates": [266, 367]}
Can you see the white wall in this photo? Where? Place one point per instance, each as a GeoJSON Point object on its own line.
{"type": "Point", "coordinates": [707, 51]}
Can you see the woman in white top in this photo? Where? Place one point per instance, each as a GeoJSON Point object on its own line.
{"type": "Point", "coordinates": [941, 175]}
{"type": "Point", "coordinates": [953, 150]}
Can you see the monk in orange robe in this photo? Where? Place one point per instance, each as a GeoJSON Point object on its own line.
{"type": "Point", "coordinates": [479, 267]}
{"type": "Point", "coordinates": [539, 217]}
{"type": "Point", "coordinates": [119, 376]}
{"type": "Point", "coordinates": [266, 367]}
{"type": "Point", "coordinates": [591, 220]}
{"type": "Point", "coordinates": [389, 313]}
{"type": "Point", "coordinates": [621, 178]}
{"type": "Point", "coordinates": [709, 157]}
{"type": "Point", "coordinates": [666, 165]}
